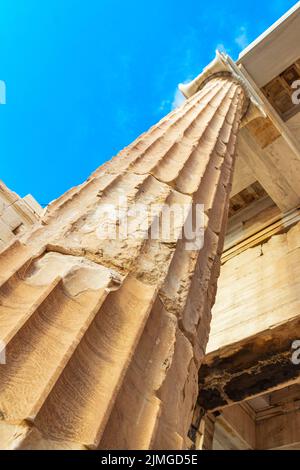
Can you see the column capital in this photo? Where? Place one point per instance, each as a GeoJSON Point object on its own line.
{"type": "Point", "coordinates": [222, 65]}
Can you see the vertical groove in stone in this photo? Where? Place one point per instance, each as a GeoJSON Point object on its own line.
{"type": "Point", "coordinates": [105, 337]}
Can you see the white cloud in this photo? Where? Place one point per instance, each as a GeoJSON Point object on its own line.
{"type": "Point", "coordinates": [178, 99]}
{"type": "Point", "coordinates": [220, 47]}
{"type": "Point", "coordinates": [2, 92]}
{"type": "Point", "coordinates": [242, 37]}
{"type": "Point", "coordinates": [167, 105]}
{"type": "Point", "coordinates": [164, 106]}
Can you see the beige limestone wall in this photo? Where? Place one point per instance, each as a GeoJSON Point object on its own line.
{"type": "Point", "coordinates": [257, 290]}
{"type": "Point", "coordinates": [16, 214]}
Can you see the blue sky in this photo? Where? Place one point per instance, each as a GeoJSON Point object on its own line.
{"type": "Point", "coordinates": [85, 78]}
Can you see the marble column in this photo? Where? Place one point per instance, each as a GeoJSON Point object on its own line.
{"type": "Point", "coordinates": [104, 330]}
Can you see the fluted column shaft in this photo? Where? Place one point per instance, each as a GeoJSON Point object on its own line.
{"type": "Point", "coordinates": [105, 334]}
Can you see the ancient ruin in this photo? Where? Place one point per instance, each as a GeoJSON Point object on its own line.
{"type": "Point", "coordinates": [16, 214]}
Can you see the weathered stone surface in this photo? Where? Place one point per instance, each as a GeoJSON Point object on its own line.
{"type": "Point", "coordinates": [255, 324]}
{"type": "Point", "coordinates": [105, 336]}
{"type": "Point", "coordinates": [16, 215]}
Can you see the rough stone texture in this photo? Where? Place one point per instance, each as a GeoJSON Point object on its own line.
{"type": "Point", "coordinates": [105, 337]}
{"type": "Point", "coordinates": [16, 214]}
